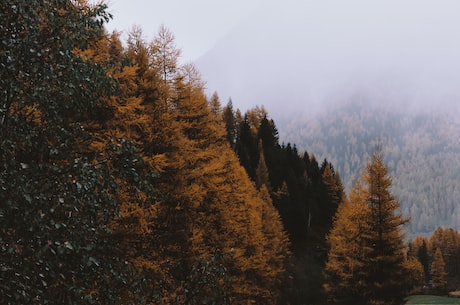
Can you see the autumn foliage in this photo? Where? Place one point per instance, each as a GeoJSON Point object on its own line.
{"type": "Point", "coordinates": [122, 182]}
{"type": "Point", "coordinates": [366, 263]}
{"type": "Point", "coordinates": [118, 185]}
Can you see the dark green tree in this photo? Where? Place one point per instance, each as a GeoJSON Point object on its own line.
{"type": "Point", "coordinates": [228, 115]}
{"type": "Point", "coordinates": [246, 148]}
{"type": "Point", "coordinates": [57, 193]}
{"type": "Point", "coordinates": [424, 259]}
{"type": "Point", "coordinates": [268, 133]}
{"type": "Point", "coordinates": [331, 193]}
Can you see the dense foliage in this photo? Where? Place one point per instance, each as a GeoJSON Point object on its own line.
{"type": "Point", "coordinates": [121, 182]}
{"type": "Point", "coordinates": [439, 254]}
{"type": "Point", "coordinates": [117, 183]}
{"type": "Point", "coordinates": [366, 260]}
{"type": "Point", "coordinates": [57, 195]}
{"type": "Point", "coordinates": [305, 193]}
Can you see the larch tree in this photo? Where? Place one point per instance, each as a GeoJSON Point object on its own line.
{"type": "Point", "coordinates": [387, 256]}
{"type": "Point", "coordinates": [213, 213]}
{"type": "Point", "coordinates": [438, 270]}
{"type": "Point", "coordinates": [216, 106]}
{"type": "Point", "coordinates": [346, 268]}
{"type": "Point", "coordinates": [448, 241]}
{"type": "Point", "coordinates": [383, 265]}
{"type": "Point", "coordinates": [254, 117]}
{"type": "Point", "coordinates": [151, 89]}
{"type": "Point", "coordinates": [165, 54]}
{"type": "Point", "coordinates": [416, 275]}
{"type": "Point", "coordinates": [117, 183]}
{"type": "Point", "coordinates": [132, 127]}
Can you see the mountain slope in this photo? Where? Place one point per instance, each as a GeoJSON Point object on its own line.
{"type": "Point", "coordinates": [422, 151]}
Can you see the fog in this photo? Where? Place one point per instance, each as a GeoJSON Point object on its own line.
{"type": "Point", "coordinates": [197, 25]}
{"type": "Point", "coordinates": [296, 57]}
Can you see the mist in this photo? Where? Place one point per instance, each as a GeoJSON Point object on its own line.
{"type": "Point", "coordinates": [299, 57]}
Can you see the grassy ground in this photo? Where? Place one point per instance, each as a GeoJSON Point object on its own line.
{"type": "Point", "coordinates": [430, 299]}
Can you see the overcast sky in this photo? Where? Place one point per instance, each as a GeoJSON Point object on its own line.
{"type": "Point", "coordinates": [297, 53]}
{"type": "Point", "coordinates": [197, 24]}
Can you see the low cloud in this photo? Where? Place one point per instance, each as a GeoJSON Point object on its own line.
{"type": "Point", "coordinates": [303, 55]}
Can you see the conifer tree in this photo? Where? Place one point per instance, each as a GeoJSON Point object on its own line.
{"type": "Point", "coordinates": [151, 88]}
{"type": "Point", "coordinates": [332, 193]}
{"type": "Point", "coordinates": [383, 264]}
{"type": "Point", "coordinates": [422, 255]}
{"type": "Point", "coordinates": [387, 256]}
{"type": "Point", "coordinates": [262, 175]}
{"type": "Point", "coordinates": [246, 148]}
{"type": "Point", "coordinates": [347, 266]}
{"type": "Point", "coordinates": [416, 275]}
{"type": "Point", "coordinates": [165, 54]}
{"type": "Point", "coordinates": [268, 133]}
{"type": "Point", "coordinates": [216, 106]}
{"type": "Point", "coordinates": [438, 270]}
{"type": "Point", "coordinates": [214, 210]}
{"type": "Point", "coordinates": [231, 127]}
{"type": "Point", "coordinates": [254, 117]}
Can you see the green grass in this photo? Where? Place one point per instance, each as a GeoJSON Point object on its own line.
{"type": "Point", "coordinates": [431, 299]}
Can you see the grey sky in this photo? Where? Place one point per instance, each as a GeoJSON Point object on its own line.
{"type": "Point", "coordinates": [197, 24]}
{"type": "Point", "coordinates": [298, 53]}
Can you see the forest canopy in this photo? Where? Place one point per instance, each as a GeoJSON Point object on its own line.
{"type": "Point", "coordinates": [123, 182]}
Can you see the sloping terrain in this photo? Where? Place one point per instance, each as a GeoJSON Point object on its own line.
{"type": "Point", "coordinates": [422, 151]}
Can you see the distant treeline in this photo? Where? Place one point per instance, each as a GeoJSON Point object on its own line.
{"type": "Point", "coordinates": [421, 149]}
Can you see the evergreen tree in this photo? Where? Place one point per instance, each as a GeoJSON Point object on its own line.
{"type": "Point", "coordinates": [231, 126]}
{"type": "Point", "coordinates": [268, 133]}
{"type": "Point", "coordinates": [422, 255]}
{"type": "Point", "coordinates": [246, 148]}
{"type": "Point", "coordinates": [332, 193]}
{"type": "Point", "coordinates": [262, 175]}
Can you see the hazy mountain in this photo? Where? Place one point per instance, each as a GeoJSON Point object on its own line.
{"type": "Point", "coordinates": [422, 150]}
{"type": "Point", "coordinates": [306, 60]}
{"type": "Point", "coordinates": [295, 56]}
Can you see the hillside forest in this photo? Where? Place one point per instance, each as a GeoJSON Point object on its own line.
{"type": "Point", "coordinates": [421, 150]}
{"type": "Point", "coordinates": [122, 182]}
